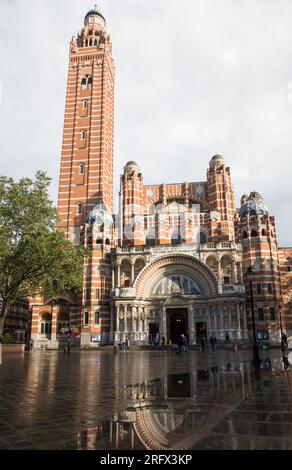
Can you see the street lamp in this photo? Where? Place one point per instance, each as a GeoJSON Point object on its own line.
{"type": "Point", "coordinates": [255, 346]}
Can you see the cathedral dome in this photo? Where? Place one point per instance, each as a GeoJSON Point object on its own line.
{"type": "Point", "coordinates": [99, 215]}
{"type": "Point", "coordinates": [254, 205]}
{"type": "Point", "coordinates": [217, 160]}
{"type": "Point", "coordinates": [94, 13]}
{"type": "Point", "coordinates": [130, 167]}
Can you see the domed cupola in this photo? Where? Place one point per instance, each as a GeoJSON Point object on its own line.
{"type": "Point", "coordinates": [217, 160]}
{"type": "Point", "coordinates": [254, 205]}
{"type": "Point", "coordinates": [99, 215]}
{"type": "Point", "coordinates": [95, 18]}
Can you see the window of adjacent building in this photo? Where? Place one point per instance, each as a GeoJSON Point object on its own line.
{"type": "Point", "coordinates": [254, 233]}
{"type": "Point", "coordinates": [273, 313]}
{"type": "Point", "coordinates": [259, 289]}
{"type": "Point", "coordinates": [79, 209]}
{"type": "Point", "coordinates": [226, 280]}
{"type": "Point", "coordinates": [97, 293]}
{"type": "Point", "coordinates": [289, 269]}
{"type": "Point", "coordinates": [86, 317]}
{"type": "Point", "coordinates": [81, 168]}
{"type": "Point", "coordinates": [270, 288]}
{"type": "Point", "coordinates": [261, 314]}
{"type": "Point", "coordinates": [87, 294]}
{"type": "Point", "coordinates": [96, 317]}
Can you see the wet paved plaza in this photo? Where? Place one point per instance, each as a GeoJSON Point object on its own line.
{"type": "Point", "coordinates": [145, 400]}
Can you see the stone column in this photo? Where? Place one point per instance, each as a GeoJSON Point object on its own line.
{"type": "Point", "coordinates": [215, 323]}
{"type": "Point", "coordinates": [192, 334]}
{"type": "Point", "coordinates": [222, 322]}
{"type": "Point", "coordinates": [239, 332]}
{"type": "Point", "coordinates": [134, 324]}
{"type": "Point", "coordinates": [164, 324]}
{"type": "Point", "coordinates": [133, 273]}
{"type": "Point", "coordinates": [114, 278]}
{"type": "Point", "coordinates": [243, 313]}
{"type": "Point", "coordinates": [119, 275]}
{"type": "Point", "coordinates": [117, 332]}
{"type": "Point", "coordinates": [54, 323]}
{"type": "Point", "coordinates": [209, 320]}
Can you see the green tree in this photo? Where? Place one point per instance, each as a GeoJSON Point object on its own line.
{"type": "Point", "coordinates": [35, 258]}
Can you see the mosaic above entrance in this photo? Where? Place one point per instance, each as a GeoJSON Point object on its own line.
{"type": "Point", "coordinates": [176, 284]}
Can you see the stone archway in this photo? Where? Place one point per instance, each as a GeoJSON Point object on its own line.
{"type": "Point", "coordinates": [173, 264]}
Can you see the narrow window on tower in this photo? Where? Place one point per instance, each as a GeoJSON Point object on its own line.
{"type": "Point", "coordinates": [79, 209]}
{"type": "Point", "coordinates": [85, 104]}
{"type": "Point", "coordinates": [261, 314]}
{"type": "Point", "coordinates": [96, 317]}
{"type": "Point", "coordinates": [83, 135]}
{"type": "Point", "coordinates": [81, 168]}
{"type": "Point", "coordinates": [86, 317]}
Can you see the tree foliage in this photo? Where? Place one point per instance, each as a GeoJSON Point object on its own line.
{"type": "Point", "coordinates": [35, 258]}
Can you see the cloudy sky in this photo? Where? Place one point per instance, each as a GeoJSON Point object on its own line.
{"type": "Point", "coordinates": [194, 78]}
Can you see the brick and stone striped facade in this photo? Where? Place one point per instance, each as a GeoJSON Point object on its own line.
{"type": "Point", "coordinates": [176, 255]}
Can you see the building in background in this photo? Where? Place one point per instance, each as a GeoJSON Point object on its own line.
{"type": "Point", "coordinates": [178, 258]}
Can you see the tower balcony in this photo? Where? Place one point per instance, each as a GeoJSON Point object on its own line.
{"type": "Point", "coordinates": [124, 292]}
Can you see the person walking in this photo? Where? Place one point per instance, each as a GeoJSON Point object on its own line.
{"type": "Point", "coordinates": [203, 343]}
{"type": "Point", "coordinates": [31, 345]}
{"type": "Point", "coordinates": [184, 343]}
{"type": "Point", "coordinates": [227, 338]}
{"type": "Point", "coordinates": [127, 344]}
{"type": "Point", "coordinates": [213, 342]}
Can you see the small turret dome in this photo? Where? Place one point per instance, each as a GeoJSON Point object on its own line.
{"type": "Point", "coordinates": [217, 160]}
{"type": "Point", "coordinates": [130, 167]}
{"type": "Point", "coordinates": [253, 205]}
{"type": "Point", "coordinates": [93, 15]}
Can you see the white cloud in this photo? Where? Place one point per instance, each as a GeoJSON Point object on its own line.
{"type": "Point", "coordinates": [194, 78]}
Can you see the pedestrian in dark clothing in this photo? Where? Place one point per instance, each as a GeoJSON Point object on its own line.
{"type": "Point", "coordinates": [227, 338]}
{"type": "Point", "coordinates": [163, 340]}
{"type": "Point", "coordinates": [203, 343]}
{"type": "Point", "coordinates": [213, 341]}
{"type": "Point", "coordinates": [127, 343]}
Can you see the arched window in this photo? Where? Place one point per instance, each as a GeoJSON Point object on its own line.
{"type": "Point", "coordinates": [126, 270]}
{"type": "Point", "coordinates": [85, 104]}
{"type": "Point", "coordinates": [46, 324]}
{"type": "Point", "coordinates": [86, 82]}
{"type": "Point", "coordinates": [245, 235]}
{"type": "Point", "coordinates": [95, 42]}
{"type": "Point", "coordinates": [83, 135]}
{"type": "Point", "coordinates": [254, 233]}
{"type": "Point", "coordinates": [79, 208]}
{"type": "Point", "coordinates": [139, 265]}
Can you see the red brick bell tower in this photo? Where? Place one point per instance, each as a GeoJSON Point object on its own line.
{"type": "Point", "coordinates": [86, 175]}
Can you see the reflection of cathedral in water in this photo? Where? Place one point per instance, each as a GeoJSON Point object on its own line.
{"type": "Point", "coordinates": [173, 412]}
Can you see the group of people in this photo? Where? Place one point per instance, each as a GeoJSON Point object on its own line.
{"type": "Point", "coordinates": [213, 341]}
{"type": "Point", "coordinates": [157, 341]}
{"type": "Point", "coordinates": [181, 344]}
{"type": "Point", "coordinates": [124, 345]}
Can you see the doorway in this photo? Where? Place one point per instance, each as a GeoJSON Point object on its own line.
{"type": "Point", "coordinates": [177, 323]}
{"type": "Point", "coordinates": [201, 330]}
{"type": "Point", "coordinates": [153, 331]}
